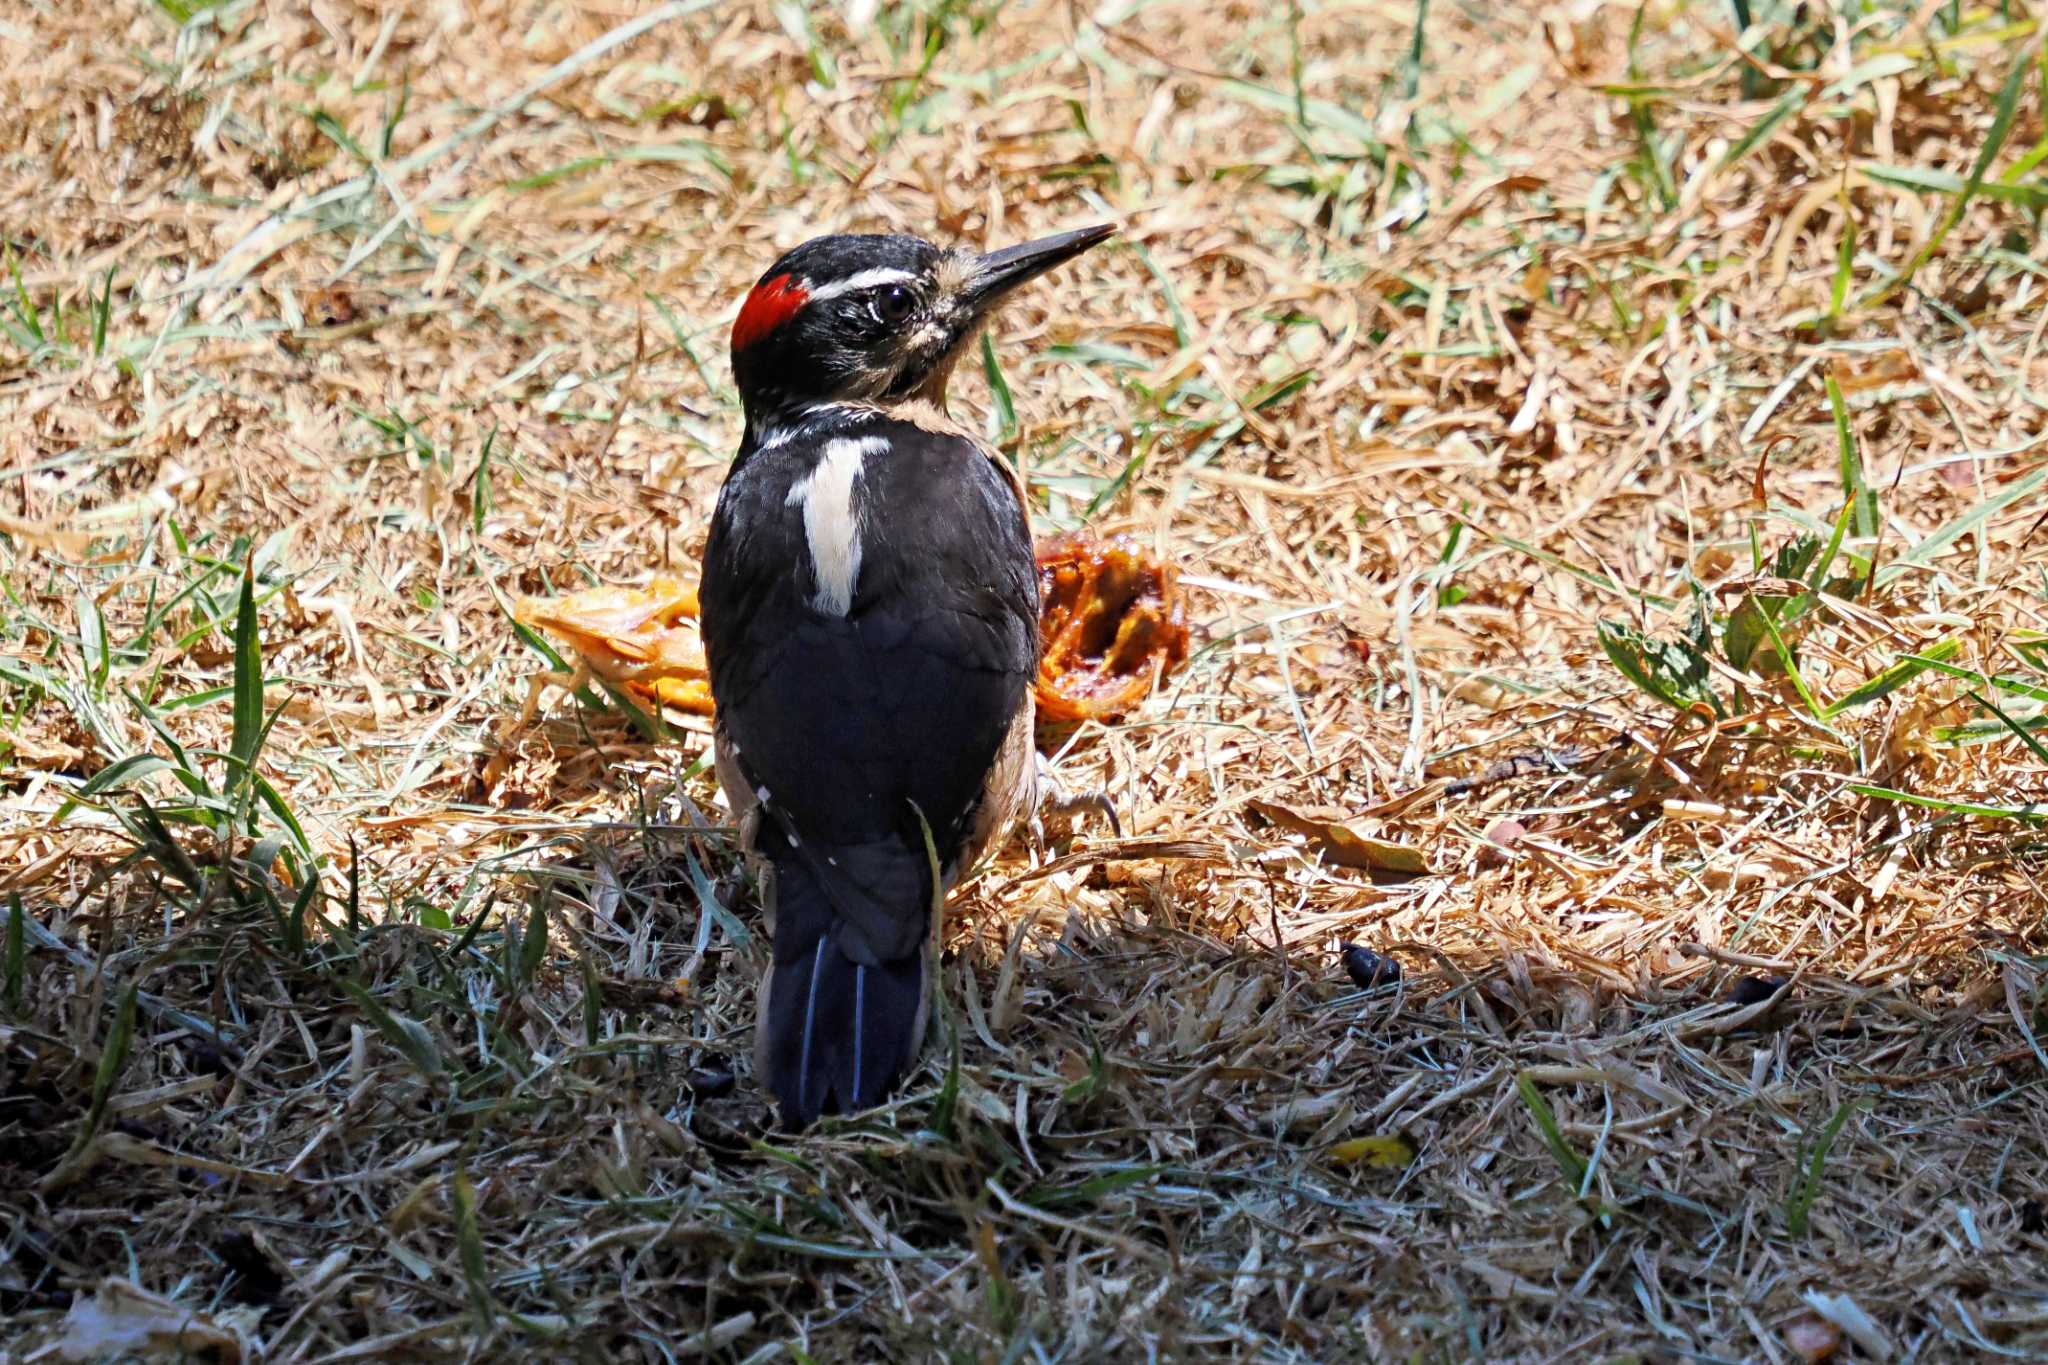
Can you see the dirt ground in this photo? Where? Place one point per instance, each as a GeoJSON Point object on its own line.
{"type": "Point", "coordinates": [1602, 448]}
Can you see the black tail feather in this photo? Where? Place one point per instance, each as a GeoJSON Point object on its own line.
{"type": "Point", "coordinates": [836, 1035]}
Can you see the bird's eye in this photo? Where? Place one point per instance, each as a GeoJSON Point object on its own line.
{"type": "Point", "coordinates": [893, 304]}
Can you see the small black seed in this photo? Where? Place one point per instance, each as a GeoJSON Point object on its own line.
{"type": "Point", "coordinates": [208, 1059]}
{"type": "Point", "coordinates": [1754, 990]}
{"type": "Point", "coordinates": [258, 1280]}
{"type": "Point", "coordinates": [711, 1083]}
{"type": "Point", "coordinates": [1368, 969]}
{"type": "Point", "coordinates": [2033, 1216]}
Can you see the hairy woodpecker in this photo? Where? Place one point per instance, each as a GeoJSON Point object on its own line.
{"type": "Point", "coordinates": [870, 618]}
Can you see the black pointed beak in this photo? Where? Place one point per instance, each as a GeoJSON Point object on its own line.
{"type": "Point", "coordinates": [999, 272]}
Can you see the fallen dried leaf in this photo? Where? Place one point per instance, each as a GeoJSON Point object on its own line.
{"type": "Point", "coordinates": [1386, 1152]}
{"type": "Point", "coordinates": [1344, 843]}
{"type": "Point", "coordinates": [124, 1319]}
{"type": "Point", "coordinates": [1812, 1338]}
{"type": "Point", "coordinates": [1844, 1312]}
{"type": "Point", "coordinates": [1506, 832]}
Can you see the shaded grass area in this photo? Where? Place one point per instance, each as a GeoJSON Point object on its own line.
{"type": "Point", "coordinates": [1603, 451]}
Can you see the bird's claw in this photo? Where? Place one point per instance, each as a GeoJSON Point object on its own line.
{"type": "Point", "coordinates": [1055, 799]}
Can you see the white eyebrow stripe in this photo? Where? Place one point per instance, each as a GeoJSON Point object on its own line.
{"type": "Point", "coordinates": [832, 521]}
{"type": "Point", "coordinates": [866, 279]}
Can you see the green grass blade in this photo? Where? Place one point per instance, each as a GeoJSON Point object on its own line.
{"type": "Point", "coordinates": [1593, 577]}
{"type": "Point", "coordinates": [1411, 68]}
{"type": "Point", "coordinates": [1175, 314]}
{"type": "Point", "coordinates": [999, 393]}
{"type": "Point", "coordinates": [396, 117]}
{"type": "Point", "coordinates": [712, 908]}
{"type": "Point", "coordinates": [2029, 195]}
{"type": "Point", "coordinates": [1856, 490]}
{"type": "Point", "coordinates": [946, 1105]}
{"type": "Point", "coordinates": [247, 734]}
{"type": "Point", "coordinates": [2032, 811]}
{"type": "Point", "coordinates": [593, 1001]}
{"type": "Point", "coordinates": [1091, 1190]}
{"type": "Point", "coordinates": [437, 918]}
{"type": "Point", "coordinates": [1080, 1091]}
{"type": "Point", "coordinates": [1934, 542]}
{"type": "Point", "coordinates": [1113, 488]}
{"type": "Point", "coordinates": [332, 128]}
{"type": "Point", "coordinates": [2019, 687]}
{"type": "Point", "coordinates": [93, 648]}
{"type": "Point", "coordinates": [1791, 665]}
{"type": "Point", "coordinates": [101, 313]}
{"type": "Point", "coordinates": [122, 772]}
{"type": "Point", "coordinates": [944, 1108]}
{"type": "Point", "coordinates": [1894, 677]}
{"type": "Point", "coordinates": [1845, 265]}
{"type": "Point", "coordinates": [306, 903]}
{"type": "Point", "coordinates": [31, 319]}
{"type": "Point", "coordinates": [1743, 20]}
{"type": "Point", "coordinates": [1673, 672]}
{"type": "Point", "coordinates": [480, 485]}
{"type": "Point", "coordinates": [1799, 1204]}
{"type": "Point", "coordinates": [1321, 113]}
{"type": "Point", "coordinates": [1790, 103]}
{"type": "Point", "coordinates": [1569, 1162]}
{"type": "Point", "coordinates": [112, 1058]}
{"type": "Point", "coordinates": [648, 724]}
{"type": "Point", "coordinates": [2001, 126]}
{"type": "Point", "coordinates": [533, 944]}
{"type": "Point", "coordinates": [409, 1037]}
{"type": "Point", "coordinates": [469, 1240]}
{"type": "Point", "coordinates": [355, 888]}
{"type": "Point", "coordinates": [154, 836]}
{"type": "Point", "coordinates": [1974, 732]}
{"type": "Point", "coordinates": [1827, 556]}
{"type": "Point", "coordinates": [274, 799]}
{"type": "Point", "coordinates": [2026, 736]}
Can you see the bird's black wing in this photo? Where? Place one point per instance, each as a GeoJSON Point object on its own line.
{"type": "Point", "coordinates": [853, 725]}
{"type": "Point", "coordinates": [860, 716]}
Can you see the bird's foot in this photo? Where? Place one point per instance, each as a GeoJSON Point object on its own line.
{"type": "Point", "coordinates": [1055, 799]}
{"type": "Point", "coordinates": [537, 685]}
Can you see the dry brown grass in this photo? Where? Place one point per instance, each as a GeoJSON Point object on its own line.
{"type": "Point", "coordinates": [1522, 284]}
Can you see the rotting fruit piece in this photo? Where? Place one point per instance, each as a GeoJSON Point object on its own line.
{"type": "Point", "coordinates": [1113, 625]}
{"type": "Point", "coordinates": [644, 639]}
{"type": "Point", "coordinates": [1111, 618]}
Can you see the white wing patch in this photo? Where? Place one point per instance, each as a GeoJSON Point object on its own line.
{"type": "Point", "coordinates": [832, 521]}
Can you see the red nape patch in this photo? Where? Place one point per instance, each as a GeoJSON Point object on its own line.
{"type": "Point", "coordinates": [772, 303]}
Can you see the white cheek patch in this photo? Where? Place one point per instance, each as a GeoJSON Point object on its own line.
{"type": "Point", "coordinates": [832, 521]}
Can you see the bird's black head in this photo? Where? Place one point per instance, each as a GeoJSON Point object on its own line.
{"type": "Point", "coordinates": [870, 318]}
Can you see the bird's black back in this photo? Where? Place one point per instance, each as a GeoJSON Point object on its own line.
{"type": "Point", "coordinates": [848, 722]}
